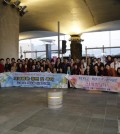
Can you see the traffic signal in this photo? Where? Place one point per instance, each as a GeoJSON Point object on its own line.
{"type": "Point", "coordinates": [63, 46]}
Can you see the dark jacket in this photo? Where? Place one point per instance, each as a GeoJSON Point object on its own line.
{"type": "Point", "coordinates": [7, 67]}
{"type": "Point", "coordinates": [75, 71]}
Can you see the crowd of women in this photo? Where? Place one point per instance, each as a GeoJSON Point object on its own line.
{"type": "Point", "coordinates": [93, 66]}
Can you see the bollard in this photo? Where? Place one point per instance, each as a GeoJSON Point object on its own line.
{"type": "Point", "coordinates": [55, 98]}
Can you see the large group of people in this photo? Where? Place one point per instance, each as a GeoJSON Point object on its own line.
{"type": "Point", "coordinates": [93, 66]}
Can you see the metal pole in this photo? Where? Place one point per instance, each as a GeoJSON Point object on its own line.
{"type": "Point", "coordinates": [24, 54]}
{"type": "Point", "coordinates": [62, 57]}
{"type": "Point", "coordinates": [86, 54]}
{"type": "Point", "coordinates": [62, 53]}
{"type": "Point", "coordinates": [110, 41]}
{"type": "Point", "coordinates": [58, 39]}
{"type": "Point", "coordinates": [36, 55]}
{"type": "Point", "coordinates": [103, 54]}
{"type": "Point", "coordinates": [103, 49]}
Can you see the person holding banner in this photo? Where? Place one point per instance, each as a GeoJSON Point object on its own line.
{"type": "Point", "coordinates": [14, 67]}
{"type": "Point", "coordinates": [60, 71]}
{"type": "Point", "coordinates": [102, 71]}
{"type": "Point", "coordinates": [69, 70]}
{"type": "Point", "coordinates": [45, 65]}
{"type": "Point", "coordinates": [30, 63]}
{"type": "Point", "coordinates": [81, 69]}
{"type": "Point", "coordinates": [1, 65]}
{"type": "Point", "coordinates": [115, 64]}
{"type": "Point", "coordinates": [42, 69]}
{"type": "Point", "coordinates": [54, 70]}
{"type": "Point", "coordinates": [88, 70]}
{"type": "Point", "coordinates": [7, 65]}
{"type": "Point", "coordinates": [110, 71]}
{"type": "Point", "coordinates": [38, 66]}
{"type": "Point", "coordinates": [96, 71]}
{"type": "Point", "coordinates": [48, 70]}
{"type": "Point", "coordinates": [58, 64]}
{"type": "Point", "coordinates": [20, 67]}
{"type": "Point", "coordinates": [72, 63]}
{"type": "Point", "coordinates": [34, 69]}
{"type": "Point", "coordinates": [75, 70]}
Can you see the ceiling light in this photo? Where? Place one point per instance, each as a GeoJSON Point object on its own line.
{"type": "Point", "coordinates": [22, 10]}
{"type": "Point", "coordinates": [5, 2]}
{"type": "Point", "coordinates": [16, 3]}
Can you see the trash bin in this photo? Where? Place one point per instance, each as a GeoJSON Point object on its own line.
{"type": "Point", "coordinates": [55, 98]}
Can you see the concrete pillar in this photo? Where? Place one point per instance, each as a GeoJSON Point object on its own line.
{"type": "Point", "coordinates": [76, 47]}
{"type": "Point", "coordinates": [48, 51]}
{"type": "Point", "coordinates": [9, 31]}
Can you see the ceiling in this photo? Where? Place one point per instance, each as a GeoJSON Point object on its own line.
{"type": "Point", "coordinates": [36, 34]}
{"type": "Point", "coordinates": [75, 16]}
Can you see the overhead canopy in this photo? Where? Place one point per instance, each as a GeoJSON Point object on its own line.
{"type": "Point", "coordinates": [75, 16]}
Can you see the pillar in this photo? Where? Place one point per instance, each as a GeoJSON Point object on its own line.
{"type": "Point", "coordinates": [48, 51]}
{"type": "Point", "coordinates": [9, 32]}
{"type": "Point", "coordinates": [76, 47]}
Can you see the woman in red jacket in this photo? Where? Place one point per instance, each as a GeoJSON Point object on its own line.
{"type": "Point", "coordinates": [1, 65]}
{"type": "Point", "coordinates": [110, 71]}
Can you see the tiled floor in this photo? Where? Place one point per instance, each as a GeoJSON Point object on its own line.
{"type": "Point", "coordinates": [24, 111]}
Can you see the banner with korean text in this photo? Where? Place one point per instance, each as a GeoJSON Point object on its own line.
{"type": "Point", "coordinates": [6, 79]}
{"type": "Point", "coordinates": [33, 79]}
{"type": "Point", "coordinates": [49, 80]}
{"type": "Point", "coordinates": [95, 82]}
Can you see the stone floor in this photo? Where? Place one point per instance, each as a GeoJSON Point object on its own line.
{"type": "Point", "coordinates": [24, 111]}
